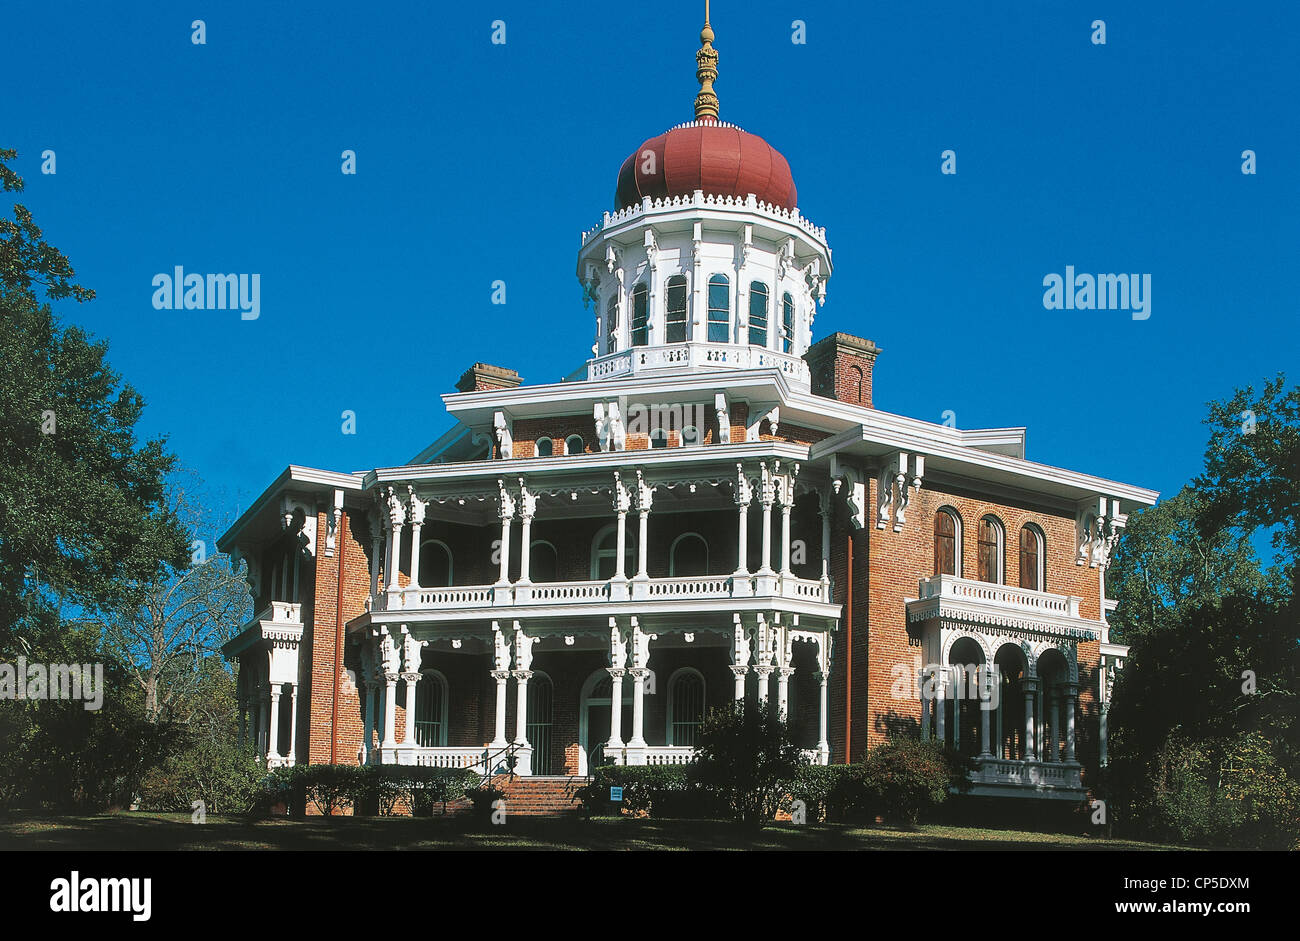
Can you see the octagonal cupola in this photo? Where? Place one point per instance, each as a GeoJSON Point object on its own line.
{"type": "Point", "coordinates": [705, 262]}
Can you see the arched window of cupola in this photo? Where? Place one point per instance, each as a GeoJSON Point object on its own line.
{"type": "Point", "coordinates": [640, 315]}
{"type": "Point", "coordinates": [1031, 558]}
{"type": "Point", "coordinates": [611, 324]}
{"type": "Point", "coordinates": [758, 313]}
{"type": "Point", "coordinates": [545, 447]}
{"type": "Point", "coordinates": [719, 308]}
{"type": "Point", "coordinates": [787, 323]}
{"type": "Point", "coordinates": [675, 312]}
{"type": "Point", "coordinates": [435, 564]}
{"type": "Point", "coordinates": [573, 444]}
{"type": "Point", "coordinates": [990, 550]}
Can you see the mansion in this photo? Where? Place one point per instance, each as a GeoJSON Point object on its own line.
{"type": "Point", "coordinates": [708, 509]}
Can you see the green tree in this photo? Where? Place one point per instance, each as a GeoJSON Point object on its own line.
{"type": "Point", "coordinates": [82, 516]}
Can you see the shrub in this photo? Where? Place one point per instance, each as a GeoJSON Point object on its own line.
{"type": "Point", "coordinates": [744, 758]}
{"type": "Point", "coordinates": [219, 773]}
{"type": "Point", "coordinates": [661, 790]}
{"type": "Point", "coordinates": [906, 777]}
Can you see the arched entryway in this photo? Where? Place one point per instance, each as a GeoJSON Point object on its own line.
{"type": "Point", "coordinates": [540, 718]}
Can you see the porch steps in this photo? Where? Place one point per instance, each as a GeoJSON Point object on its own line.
{"type": "Point", "coordinates": [541, 796]}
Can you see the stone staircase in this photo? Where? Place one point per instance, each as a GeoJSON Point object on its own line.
{"type": "Point", "coordinates": [541, 796]}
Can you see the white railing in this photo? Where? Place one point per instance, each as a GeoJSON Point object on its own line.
{"type": "Point", "coordinates": [1029, 774]}
{"type": "Point", "coordinates": [669, 755]}
{"type": "Point", "coordinates": [450, 757]}
{"type": "Point", "coordinates": [639, 359]}
{"type": "Point", "coordinates": [701, 587]}
{"type": "Point", "coordinates": [968, 589]}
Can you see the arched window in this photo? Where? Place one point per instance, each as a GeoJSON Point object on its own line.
{"type": "Point", "coordinates": [719, 309]}
{"type": "Point", "coordinates": [1031, 558]}
{"type": "Point", "coordinates": [431, 709]}
{"type": "Point", "coordinates": [685, 707]}
{"type": "Point", "coordinates": [545, 447]}
{"type": "Point", "coordinates": [540, 716]}
{"type": "Point", "coordinates": [947, 543]}
{"type": "Point", "coordinates": [658, 438]}
{"type": "Point", "coordinates": [758, 313]}
{"type": "Point", "coordinates": [787, 323]}
{"type": "Point", "coordinates": [675, 313]}
{"type": "Point", "coordinates": [611, 324]}
{"type": "Point", "coordinates": [640, 315]}
{"type": "Point", "coordinates": [573, 444]}
{"type": "Point", "coordinates": [604, 554]}
{"type": "Point", "coordinates": [990, 550]}
{"type": "Point", "coordinates": [689, 555]}
{"type": "Point", "coordinates": [435, 564]}
{"type": "Point", "coordinates": [543, 562]}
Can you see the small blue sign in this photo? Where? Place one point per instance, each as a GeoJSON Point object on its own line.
{"type": "Point", "coordinates": [616, 793]}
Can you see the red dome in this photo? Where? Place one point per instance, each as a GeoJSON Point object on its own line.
{"type": "Point", "coordinates": [719, 159]}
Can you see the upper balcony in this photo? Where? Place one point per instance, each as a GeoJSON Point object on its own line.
{"type": "Point", "coordinates": [565, 599]}
{"type": "Point", "coordinates": [948, 598]}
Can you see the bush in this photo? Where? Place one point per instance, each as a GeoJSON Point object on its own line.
{"type": "Point", "coordinates": [745, 758]}
{"type": "Point", "coordinates": [219, 773]}
{"type": "Point", "coordinates": [905, 777]}
{"type": "Point", "coordinates": [384, 790]}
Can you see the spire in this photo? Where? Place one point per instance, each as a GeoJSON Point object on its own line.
{"type": "Point", "coordinates": [706, 71]}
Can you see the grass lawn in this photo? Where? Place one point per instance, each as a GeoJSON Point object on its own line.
{"type": "Point", "coordinates": [149, 831]}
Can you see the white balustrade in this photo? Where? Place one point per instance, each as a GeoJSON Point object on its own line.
{"type": "Point", "coordinates": [949, 586]}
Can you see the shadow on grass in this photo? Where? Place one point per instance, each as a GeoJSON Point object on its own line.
{"type": "Point", "coordinates": [150, 831]}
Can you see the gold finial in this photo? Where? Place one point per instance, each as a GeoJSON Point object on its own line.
{"type": "Point", "coordinates": [706, 71]}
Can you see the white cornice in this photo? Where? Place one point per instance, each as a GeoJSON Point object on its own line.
{"type": "Point", "coordinates": [292, 477]}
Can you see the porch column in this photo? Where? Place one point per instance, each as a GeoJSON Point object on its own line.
{"type": "Point", "coordinates": [1070, 691]}
{"type": "Point", "coordinates": [1054, 731]}
{"type": "Point", "coordinates": [926, 702]}
{"type": "Point", "coordinates": [412, 679]}
{"type": "Point", "coordinates": [764, 670]}
{"type": "Point", "coordinates": [620, 563]}
{"type": "Point", "coordinates": [506, 511]}
{"type": "Point", "coordinates": [390, 711]}
{"type": "Point", "coordinates": [740, 681]}
{"type": "Point", "coordinates": [293, 724]}
{"type": "Point", "coordinates": [499, 732]}
{"type": "Point", "coordinates": [521, 706]}
{"type": "Point", "coordinates": [744, 494]}
{"type": "Point", "coordinates": [644, 498]}
{"type": "Point", "coordinates": [415, 553]}
{"type": "Point", "coordinates": [783, 689]}
{"type": "Point", "coordinates": [259, 723]}
{"type": "Point", "coordinates": [527, 507]}
{"type": "Point", "coordinates": [1029, 753]}
{"type": "Point", "coordinates": [786, 507]}
{"type": "Point", "coordinates": [766, 497]}
{"type": "Point", "coordinates": [985, 749]}
{"type": "Point", "coordinates": [396, 517]}
{"type": "Point", "coordinates": [639, 675]}
{"type": "Point", "coordinates": [615, 708]}
{"type": "Point", "coordinates": [273, 744]}
{"type": "Point", "coordinates": [940, 709]}
{"type": "Point", "coordinates": [823, 713]}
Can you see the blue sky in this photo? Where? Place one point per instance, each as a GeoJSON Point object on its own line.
{"type": "Point", "coordinates": [479, 162]}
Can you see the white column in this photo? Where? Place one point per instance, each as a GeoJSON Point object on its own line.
{"type": "Point", "coordinates": [615, 708]}
{"type": "Point", "coordinates": [639, 675]}
{"type": "Point", "coordinates": [642, 570]}
{"type": "Point", "coordinates": [739, 672]}
{"type": "Point", "coordinates": [742, 563]}
{"type": "Point", "coordinates": [525, 541]}
{"type": "Point", "coordinates": [767, 498]}
{"type": "Point", "coordinates": [926, 701]}
{"type": "Point", "coordinates": [507, 513]}
{"type": "Point", "coordinates": [415, 554]}
{"type": "Point", "coordinates": [273, 744]}
{"type": "Point", "coordinates": [620, 563]}
{"type": "Point", "coordinates": [1053, 743]}
{"type": "Point", "coordinates": [293, 724]}
{"type": "Point", "coordinates": [1029, 754]}
{"type": "Point", "coordinates": [764, 670]}
{"type": "Point", "coordinates": [785, 536]}
{"type": "Point", "coordinates": [1069, 721]}
{"type": "Point", "coordinates": [985, 750]}
{"type": "Point", "coordinates": [390, 710]}
{"type": "Point", "coordinates": [259, 724]}
{"type": "Point", "coordinates": [499, 731]}
{"type": "Point", "coordinates": [412, 679]}
{"type": "Point", "coordinates": [394, 555]}
{"type": "Point", "coordinates": [521, 705]}
{"type": "Point", "coordinates": [823, 713]}
{"type": "Point", "coordinates": [940, 709]}
{"type": "Point", "coordinates": [783, 689]}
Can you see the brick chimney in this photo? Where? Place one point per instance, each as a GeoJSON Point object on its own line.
{"type": "Point", "coordinates": [481, 377]}
{"type": "Point", "coordinates": [841, 367]}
